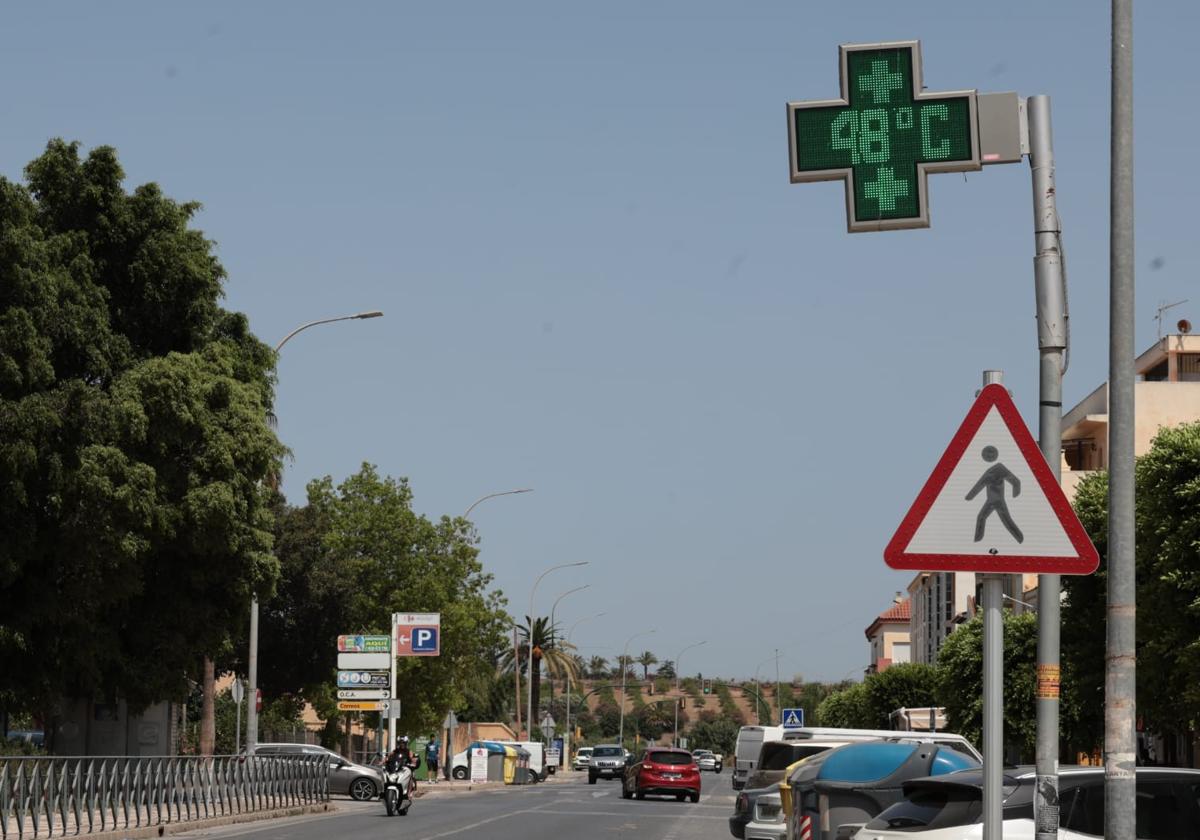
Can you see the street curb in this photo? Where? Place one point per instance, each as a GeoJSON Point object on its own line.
{"type": "Point", "coordinates": [168, 828]}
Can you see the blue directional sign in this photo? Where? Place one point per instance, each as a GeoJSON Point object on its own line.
{"type": "Point", "coordinates": [793, 718]}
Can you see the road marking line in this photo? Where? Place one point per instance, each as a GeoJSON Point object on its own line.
{"type": "Point", "coordinates": [461, 829]}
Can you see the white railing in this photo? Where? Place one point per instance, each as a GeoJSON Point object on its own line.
{"type": "Point", "coordinates": [61, 796]}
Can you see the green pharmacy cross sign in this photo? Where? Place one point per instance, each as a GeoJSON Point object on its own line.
{"type": "Point", "coordinates": [884, 136]}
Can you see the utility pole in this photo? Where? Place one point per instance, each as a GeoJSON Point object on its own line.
{"type": "Point", "coordinates": [1050, 291]}
{"type": "Point", "coordinates": [1120, 692]}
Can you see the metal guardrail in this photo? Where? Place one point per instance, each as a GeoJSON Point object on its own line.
{"type": "Point", "coordinates": [59, 796]}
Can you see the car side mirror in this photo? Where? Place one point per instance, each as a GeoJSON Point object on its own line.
{"type": "Point", "coordinates": [339, 763]}
{"type": "Point", "coordinates": [628, 761]}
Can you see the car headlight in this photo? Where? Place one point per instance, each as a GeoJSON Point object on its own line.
{"type": "Point", "coordinates": [768, 812]}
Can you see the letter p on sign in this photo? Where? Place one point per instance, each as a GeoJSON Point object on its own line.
{"type": "Point", "coordinates": [425, 640]}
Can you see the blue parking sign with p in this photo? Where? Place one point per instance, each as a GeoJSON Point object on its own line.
{"type": "Point", "coordinates": [425, 640]}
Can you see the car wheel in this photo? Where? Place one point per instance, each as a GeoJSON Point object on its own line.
{"type": "Point", "coordinates": [626, 793]}
{"type": "Point", "coordinates": [679, 797]}
{"type": "Point", "coordinates": [460, 773]}
{"type": "Point", "coordinates": [696, 797]}
{"type": "Point", "coordinates": [591, 778]}
{"type": "Point", "coordinates": [362, 789]}
{"type": "Point", "coordinates": [641, 794]}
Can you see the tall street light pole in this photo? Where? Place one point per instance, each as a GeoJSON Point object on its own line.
{"type": "Point", "coordinates": [532, 593]}
{"type": "Point", "coordinates": [252, 664]}
{"type": "Point", "coordinates": [678, 671]}
{"type": "Point", "coordinates": [567, 741]}
{"type": "Point", "coordinates": [758, 688]}
{"type": "Point", "coordinates": [624, 664]}
{"type": "Point", "coordinates": [555, 607]}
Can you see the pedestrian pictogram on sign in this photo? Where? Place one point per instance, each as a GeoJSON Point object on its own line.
{"type": "Point", "coordinates": [992, 504]}
{"type": "Point", "coordinates": [793, 718]}
{"type": "Point", "coordinates": [883, 136]}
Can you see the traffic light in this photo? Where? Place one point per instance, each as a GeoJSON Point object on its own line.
{"type": "Point", "coordinates": [650, 688]}
{"type": "Point", "coordinates": [708, 686]}
{"type": "Point", "coordinates": [683, 701]}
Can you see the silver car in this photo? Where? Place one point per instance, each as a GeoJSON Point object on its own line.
{"type": "Point", "coordinates": [358, 781]}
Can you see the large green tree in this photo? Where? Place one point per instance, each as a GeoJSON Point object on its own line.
{"type": "Point", "coordinates": [1168, 594]}
{"type": "Point", "coordinates": [132, 441]}
{"type": "Point", "coordinates": [358, 553]}
{"type": "Point", "coordinates": [903, 685]}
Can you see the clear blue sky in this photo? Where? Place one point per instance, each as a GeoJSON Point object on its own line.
{"type": "Point", "coordinates": [599, 282]}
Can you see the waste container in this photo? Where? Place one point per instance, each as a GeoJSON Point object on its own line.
{"type": "Point", "coordinates": [835, 793]}
{"type": "Point", "coordinates": [524, 774]}
{"type": "Point", "coordinates": [496, 763]}
{"type": "Point", "coordinates": [417, 745]}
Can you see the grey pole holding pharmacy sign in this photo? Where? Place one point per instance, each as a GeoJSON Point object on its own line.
{"type": "Point", "coordinates": [883, 137]}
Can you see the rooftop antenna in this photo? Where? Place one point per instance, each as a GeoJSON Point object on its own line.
{"type": "Point", "coordinates": [1163, 306]}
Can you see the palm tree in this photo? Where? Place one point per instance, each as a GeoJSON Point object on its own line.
{"type": "Point", "coordinates": [646, 660]}
{"type": "Point", "coordinates": [598, 667]}
{"type": "Point", "coordinates": [549, 650]}
{"type": "Point", "coordinates": [624, 663]}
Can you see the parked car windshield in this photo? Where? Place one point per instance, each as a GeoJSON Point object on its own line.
{"type": "Point", "coordinates": [929, 809]}
{"type": "Point", "coordinates": [602, 752]}
{"type": "Point", "coordinates": [666, 757]}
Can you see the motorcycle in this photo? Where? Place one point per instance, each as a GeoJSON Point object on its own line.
{"type": "Point", "coordinates": [397, 790]}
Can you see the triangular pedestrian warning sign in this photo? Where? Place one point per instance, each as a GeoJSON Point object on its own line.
{"type": "Point", "coordinates": [992, 504]}
{"type": "Point", "coordinates": [792, 718]}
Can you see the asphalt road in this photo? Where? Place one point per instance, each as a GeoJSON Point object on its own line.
{"type": "Point", "coordinates": [570, 808]}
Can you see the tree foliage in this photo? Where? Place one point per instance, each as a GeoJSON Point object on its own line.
{"type": "Point", "coordinates": [132, 439]}
{"type": "Point", "coordinates": [960, 674]}
{"type": "Point", "coordinates": [718, 734]}
{"type": "Point", "coordinates": [358, 553]}
{"type": "Point", "coordinates": [903, 685]}
{"type": "Point", "coordinates": [847, 709]}
{"type": "Point", "coordinates": [1167, 560]}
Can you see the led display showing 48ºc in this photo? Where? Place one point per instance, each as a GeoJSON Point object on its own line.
{"type": "Point", "coordinates": [882, 135]}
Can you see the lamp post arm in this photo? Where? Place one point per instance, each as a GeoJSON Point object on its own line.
{"type": "Point", "coordinates": [467, 515]}
{"type": "Point", "coordinates": [303, 327]}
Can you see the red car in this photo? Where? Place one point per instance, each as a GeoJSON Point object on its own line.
{"type": "Point", "coordinates": [663, 771]}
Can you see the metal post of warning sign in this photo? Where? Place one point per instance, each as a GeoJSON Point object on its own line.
{"type": "Point", "coordinates": [993, 689]}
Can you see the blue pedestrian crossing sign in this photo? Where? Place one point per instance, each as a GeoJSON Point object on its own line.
{"type": "Point", "coordinates": [793, 718]}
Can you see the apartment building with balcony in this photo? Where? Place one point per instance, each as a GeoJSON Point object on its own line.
{"type": "Point", "coordinates": [1167, 393]}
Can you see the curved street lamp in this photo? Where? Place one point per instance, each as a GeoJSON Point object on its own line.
{"type": "Point", "coordinates": [570, 633]}
{"type": "Point", "coordinates": [532, 592]}
{"type": "Point", "coordinates": [467, 515]}
{"type": "Point", "coordinates": [624, 671]}
{"type": "Point", "coordinates": [252, 663]}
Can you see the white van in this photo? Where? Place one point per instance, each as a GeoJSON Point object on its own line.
{"type": "Point", "coordinates": [749, 743]}
{"type": "Point", "coordinates": [829, 733]}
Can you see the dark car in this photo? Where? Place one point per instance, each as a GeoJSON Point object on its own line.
{"type": "Point", "coordinates": [744, 806]}
{"type": "Point", "coordinates": [607, 762]}
{"type": "Point", "coordinates": [663, 771]}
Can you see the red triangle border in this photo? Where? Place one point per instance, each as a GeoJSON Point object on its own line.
{"type": "Point", "coordinates": [1084, 562]}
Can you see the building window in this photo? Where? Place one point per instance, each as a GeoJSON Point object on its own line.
{"type": "Point", "coordinates": [1189, 367]}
